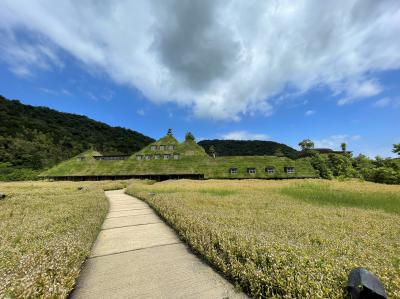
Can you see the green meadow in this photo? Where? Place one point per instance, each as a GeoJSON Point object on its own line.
{"type": "Point", "coordinates": [47, 230]}
{"type": "Point", "coordinates": [271, 238]}
{"type": "Point", "coordinates": [288, 238]}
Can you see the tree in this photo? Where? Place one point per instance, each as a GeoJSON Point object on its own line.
{"type": "Point", "coordinates": [306, 144]}
{"type": "Point", "coordinates": [189, 136]}
{"type": "Point", "coordinates": [344, 147]}
{"type": "Point", "coordinates": [212, 151]}
{"type": "Point", "coordinates": [320, 163]}
{"type": "Point", "coordinates": [363, 165]}
{"type": "Point", "coordinates": [341, 165]}
{"type": "Point", "coordinates": [396, 148]}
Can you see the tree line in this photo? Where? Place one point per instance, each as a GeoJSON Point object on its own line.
{"type": "Point", "coordinates": [247, 148]}
{"type": "Point", "coordinates": [344, 165]}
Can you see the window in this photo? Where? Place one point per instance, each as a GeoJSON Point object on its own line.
{"type": "Point", "coordinates": [270, 170]}
{"type": "Point", "coordinates": [170, 147]}
{"type": "Point", "coordinates": [153, 147]}
{"type": "Point", "coordinates": [162, 147]}
{"type": "Point", "coordinates": [233, 170]}
{"type": "Point", "coordinates": [147, 157]}
{"type": "Point", "coordinates": [176, 156]}
{"type": "Point", "coordinates": [251, 170]}
{"type": "Point", "coordinates": [157, 157]}
{"type": "Point", "coordinates": [81, 158]}
{"type": "Point", "coordinates": [289, 169]}
{"type": "Point", "coordinates": [166, 157]}
{"type": "Point", "coordinates": [138, 157]}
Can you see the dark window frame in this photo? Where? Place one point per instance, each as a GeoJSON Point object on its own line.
{"type": "Point", "coordinates": [250, 169]}
{"type": "Point", "coordinates": [270, 170]}
{"type": "Point", "coordinates": [233, 170]}
{"type": "Point", "coordinates": [289, 169]}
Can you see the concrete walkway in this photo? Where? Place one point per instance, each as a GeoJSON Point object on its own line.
{"type": "Point", "coordinates": [136, 255]}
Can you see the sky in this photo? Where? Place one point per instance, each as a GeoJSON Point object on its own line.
{"type": "Point", "coordinates": [265, 70]}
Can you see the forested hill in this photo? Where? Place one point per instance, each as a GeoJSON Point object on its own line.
{"type": "Point", "coordinates": [39, 137]}
{"type": "Point", "coordinates": [248, 148]}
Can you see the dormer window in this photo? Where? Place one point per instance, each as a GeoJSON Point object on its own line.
{"type": "Point", "coordinates": [157, 157]}
{"type": "Point", "coordinates": [289, 169]}
{"type": "Point", "coordinates": [176, 156]}
{"type": "Point", "coordinates": [162, 147]}
{"type": "Point", "coordinates": [153, 147]}
{"type": "Point", "coordinates": [170, 147]}
{"type": "Point", "coordinates": [138, 157]}
{"type": "Point", "coordinates": [251, 170]}
{"type": "Point", "coordinates": [233, 170]}
{"type": "Point", "coordinates": [147, 157]}
{"type": "Point", "coordinates": [270, 170]}
{"type": "Point", "coordinates": [81, 158]}
{"type": "Point", "coordinates": [166, 157]}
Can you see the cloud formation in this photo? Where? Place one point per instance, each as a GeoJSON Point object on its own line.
{"type": "Point", "coordinates": [222, 59]}
{"type": "Point", "coordinates": [309, 112]}
{"type": "Point", "coordinates": [334, 141]}
{"type": "Point", "coordinates": [357, 91]}
{"type": "Point", "coordinates": [21, 57]}
{"type": "Point", "coordinates": [244, 135]}
{"type": "Point", "coordinates": [387, 102]}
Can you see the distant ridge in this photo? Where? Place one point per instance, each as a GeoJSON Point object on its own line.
{"type": "Point", "coordinates": [249, 148]}
{"type": "Point", "coordinates": [38, 137]}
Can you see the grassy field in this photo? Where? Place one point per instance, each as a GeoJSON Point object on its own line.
{"type": "Point", "coordinates": [290, 239]}
{"type": "Point", "coordinates": [47, 230]}
{"type": "Point", "coordinates": [341, 195]}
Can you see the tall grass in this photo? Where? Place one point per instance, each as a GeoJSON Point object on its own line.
{"type": "Point", "coordinates": [273, 246]}
{"type": "Point", "coordinates": [324, 194]}
{"type": "Point", "coordinates": [46, 232]}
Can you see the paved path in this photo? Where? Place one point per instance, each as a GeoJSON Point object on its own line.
{"type": "Point", "coordinates": [136, 255]}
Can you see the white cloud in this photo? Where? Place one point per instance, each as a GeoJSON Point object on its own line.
{"type": "Point", "coordinates": [309, 112]}
{"type": "Point", "coordinates": [66, 92]}
{"type": "Point", "coordinates": [244, 135]}
{"type": "Point", "coordinates": [141, 112]}
{"type": "Point", "coordinates": [48, 91]}
{"type": "Point", "coordinates": [334, 141]}
{"type": "Point", "coordinates": [22, 56]}
{"type": "Point", "coordinates": [92, 96]}
{"type": "Point", "coordinates": [357, 91]}
{"type": "Point", "coordinates": [221, 59]}
{"type": "Point", "coordinates": [376, 150]}
{"type": "Point", "coordinates": [384, 102]}
{"type": "Point", "coordinates": [387, 102]}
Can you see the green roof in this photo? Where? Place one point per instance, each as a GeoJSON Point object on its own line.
{"type": "Point", "coordinates": [191, 159]}
{"type": "Point", "coordinates": [186, 148]}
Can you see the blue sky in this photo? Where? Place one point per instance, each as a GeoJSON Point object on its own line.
{"type": "Point", "coordinates": [219, 70]}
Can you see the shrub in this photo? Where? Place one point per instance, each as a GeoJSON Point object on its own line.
{"type": "Point", "coordinates": [320, 163]}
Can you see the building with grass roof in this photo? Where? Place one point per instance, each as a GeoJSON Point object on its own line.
{"type": "Point", "coordinates": [167, 158]}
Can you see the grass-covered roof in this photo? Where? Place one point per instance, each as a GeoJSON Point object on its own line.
{"type": "Point", "coordinates": [192, 160]}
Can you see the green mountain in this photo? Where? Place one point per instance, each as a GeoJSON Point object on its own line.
{"type": "Point", "coordinates": [35, 138]}
{"type": "Point", "coordinates": [249, 148]}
